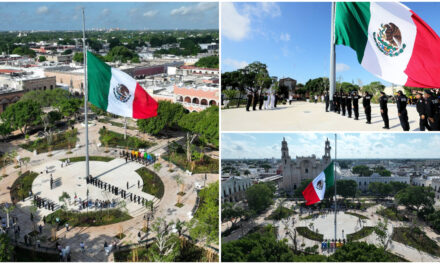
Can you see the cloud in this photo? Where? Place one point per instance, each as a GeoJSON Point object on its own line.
{"type": "Point", "coordinates": [234, 64]}
{"type": "Point", "coordinates": [151, 13]}
{"type": "Point", "coordinates": [42, 10]}
{"type": "Point", "coordinates": [234, 25]}
{"type": "Point", "coordinates": [263, 9]}
{"type": "Point", "coordinates": [194, 9]}
{"type": "Point", "coordinates": [285, 37]}
{"type": "Point", "coordinates": [105, 12]}
{"type": "Point", "coordinates": [133, 10]}
{"type": "Point", "coordinates": [341, 67]}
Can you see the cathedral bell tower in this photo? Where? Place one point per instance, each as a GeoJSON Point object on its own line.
{"type": "Point", "coordinates": [327, 157]}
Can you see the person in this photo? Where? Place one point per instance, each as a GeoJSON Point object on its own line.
{"type": "Point", "coordinates": [40, 228]}
{"type": "Point", "coordinates": [26, 240]}
{"type": "Point", "coordinates": [316, 98]}
{"type": "Point", "coordinates": [436, 103]}
{"type": "Point", "coordinates": [127, 185]}
{"type": "Point", "coordinates": [366, 102]}
{"type": "Point", "coordinates": [429, 109]}
{"type": "Point", "coordinates": [266, 101]}
{"type": "Point", "coordinates": [290, 98]}
{"type": "Point", "coordinates": [67, 226]}
{"type": "Point", "coordinates": [260, 100]}
{"type": "Point", "coordinates": [335, 102]}
{"type": "Point", "coordinates": [383, 100]}
{"type": "Point", "coordinates": [139, 183]}
{"type": "Point", "coordinates": [355, 99]}
{"type": "Point", "coordinates": [139, 235]}
{"type": "Point", "coordinates": [401, 109]}
{"type": "Point", "coordinates": [327, 101]}
{"type": "Point", "coordinates": [249, 100]}
{"type": "Point", "coordinates": [348, 103]}
{"type": "Point", "coordinates": [343, 103]}
{"type": "Point", "coordinates": [105, 244]}
{"type": "Point", "coordinates": [255, 100]}
{"type": "Point", "coordinates": [82, 246]}
{"type": "Point", "coordinates": [420, 106]}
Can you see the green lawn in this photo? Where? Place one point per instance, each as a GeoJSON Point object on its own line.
{"type": "Point", "coordinates": [306, 232]}
{"type": "Point", "coordinates": [391, 214]}
{"type": "Point", "coordinates": [416, 238]}
{"type": "Point", "coordinates": [26, 255]}
{"type": "Point", "coordinates": [116, 140]}
{"type": "Point", "coordinates": [152, 182]}
{"type": "Point", "coordinates": [357, 215]}
{"type": "Point", "coordinates": [91, 158]}
{"type": "Point", "coordinates": [207, 165]}
{"type": "Point", "coordinates": [59, 141]}
{"type": "Point", "coordinates": [364, 232]}
{"type": "Point", "coordinates": [22, 185]}
{"type": "Point", "coordinates": [95, 218]}
{"type": "Point", "coordinates": [113, 123]}
{"type": "Point", "coordinates": [280, 213]}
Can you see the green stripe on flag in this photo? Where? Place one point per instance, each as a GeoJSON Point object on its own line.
{"type": "Point", "coordinates": [351, 25]}
{"type": "Point", "coordinates": [329, 175]}
{"type": "Point", "coordinates": [99, 75]}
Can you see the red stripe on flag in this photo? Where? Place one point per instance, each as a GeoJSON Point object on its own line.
{"type": "Point", "coordinates": [144, 106]}
{"type": "Point", "coordinates": [310, 195]}
{"type": "Point", "coordinates": [424, 65]}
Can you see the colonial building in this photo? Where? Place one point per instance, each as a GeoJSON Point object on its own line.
{"type": "Point", "coordinates": [233, 189]}
{"type": "Point", "coordinates": [73, 78]}
{"type": "Point", "coordinates": [9, 96]}
{"type": "Point", "coordinates": [41, 84]}
{"type": "Point", "coordinates": [294, 171]}
{"type": "Point", "coordinates": [363, 181]}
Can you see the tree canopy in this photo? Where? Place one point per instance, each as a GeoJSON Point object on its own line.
{"type": "Point", "coordinates": [208, 62]}
{"type": "Point", "coordinates": [22, 114]}
{"type": "Point", "coordinates": [259, 197]}
{"type": "Point", "coordinates": [168, 116]}
{"type": "Point", "coordinates": [204, 123]}
{"type": "Point", "coordinates": [24, 51]}
{"type": "Point", "coordinates": [6, 248]}
{"type": "Point", "coordinates": [416, 197]}
{"type": "Point", "coordinates": [46, 98]}
{"type": "Point", "coordinates": [362, 170]}
{"type": "Point", "coordinates": [362, 252]}
{"type": "Point", "coordinates": [121, 53]}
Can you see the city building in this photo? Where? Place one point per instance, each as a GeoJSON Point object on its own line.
{"type": "Point", "coordinates": [71, 77]}
{"type": "Point", "coordinates": [233, 188]}
{"type": "Point", "coordinates": [196, 97]}
{"type": "Point", "coordinates": [289, 83]}
{"type": "Point", "coordinates": [9, 96]}
{"type": "Point", "coordinates": [363, 181]}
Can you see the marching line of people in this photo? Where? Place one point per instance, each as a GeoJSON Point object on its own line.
{"type": "Point", "coordinates": [264, 100]}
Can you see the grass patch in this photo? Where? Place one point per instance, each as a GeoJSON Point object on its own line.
{"type": "Point", "coordinates": [115, 140]}
{"type": "Point", "coordinates": [27, 255]}
{"type": "Point", "coordinates": [97, 218]}
{"type": "Point", "coordinates": [180, 205]}
{"type": "Point", "coordinates": [91, 158]}
{"type": "Point", "coordinates": [120, 236]}
{"type": "Point", "coordinates": [307, 233]}
{"type": "Point", "coordinates": [364, 232]}
{"type": "Point", "coordinates": [152, 182]}
{"type": "Point", "coordinates": [416, 238]}
{"type": "Point", "coordinates": [113, 123]}
{"type": "Point", "coordinates": [22, 185]}
{"type": "Point", "coordinates": [280, 213]}
{"type": "Point", "coordinates": [205, 164]}
{"type": "Point", "coordinates": [59, 141]}
{"type": "Point", "coordinates": [358, 215]}
{"type": "Point", "coordinates": [391, 214]}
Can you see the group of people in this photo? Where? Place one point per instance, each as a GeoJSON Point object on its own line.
{"type": "Point", "coordinates": [264, 100]}
{"type": "Point", "coordinates": [428, 108]}
{"type": "Point", "coordinates": [43, 203]}
{"type": "Point", "coordinates": [139, 156]}
{"type": "Point", "coordinates": [348, 103]}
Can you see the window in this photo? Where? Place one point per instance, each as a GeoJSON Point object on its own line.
{"type": "Point", "coordinates": [294, 186]}
{"type": "Point", "coordinates": [307, 171]}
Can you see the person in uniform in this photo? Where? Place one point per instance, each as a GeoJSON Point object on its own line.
{"type": "Point", "coordinates": [255, 100]}
{"type": "Point", "coordinates": [261, 100]}
{"type": "Point", "coordinates": [383, 101]}
{"type": "Point", "coordinates": [348, 103]}
{"type": "Point", "coordinates": [420, 106]}
{"type": "Point", "coordinates": [429, 109]}
{"type": "Point", "coordinates": [366, 102]}
{"type": "Point", "coordinates": [335, 102]}
{"type": "Point", "coordinates": [355, 99]}
{"type": "Point", "coordinates": [249, 100]}
{"type": "Point", "coordinates": [343, 103]}
{"type": "Point", "coordinates": [436, 103]}
{"type": "Point", "coordinates": [327, 101]}
{"type": "Point", "coordinates": [401, 109]}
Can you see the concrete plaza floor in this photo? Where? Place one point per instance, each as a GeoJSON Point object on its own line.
{"type": "Point", "coordinates": [303, 116]}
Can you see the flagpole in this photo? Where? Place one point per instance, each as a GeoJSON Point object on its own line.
{"type": "Point", "coordinates": [332, 58]}
{"type": "Point", "coordinates": [125, 128]}
{"type": "Point", "coordinates": [336, 204]}
{"type": "Point", "coordinates": [86, 122]}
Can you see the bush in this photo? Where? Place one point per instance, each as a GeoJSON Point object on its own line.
{"type": "Point", "coordinates": [392, 214]}
{"type": "Point", "coordinates": [91, 158]}
{"type": "Point", "coordinates": [206, 165]}
{"type": "Point", "coordinates": [59, 141]}
{"type": "Point", "coordinates": [416, 238]}
{"type": "Point", "coordinates": [364, 232]}
{"type": "Point", "coordinates": [93, 218]}
{"type": "Point", "coordinates": [22, 185]}
{"type": "Point", "coordinates": [280, 213]}
{"type": "Point", "coordinates": [116, 140]}
{"type": "Point", "coordinates": [307, 233]}
{"type": "Point", "coordinates": [152, 182]}
{"type": "Point", "coordinates": [357, 215]}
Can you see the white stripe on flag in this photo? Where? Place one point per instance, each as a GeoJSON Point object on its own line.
{"type": "Point", "coordinates": [319, 185]}
{"type": "Point", "coordinates": [116, 106]}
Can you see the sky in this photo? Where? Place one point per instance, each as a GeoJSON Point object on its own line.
{"type": "Point", "coordinates": [293, 39]}
{"type": "Point", "coordinates": [350, 145]}
{"type": "Point", "coordinates": [125, 15]}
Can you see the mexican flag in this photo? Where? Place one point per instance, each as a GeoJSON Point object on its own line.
{"type": "Point", "coordinates": [391, 42]}
{"type": "Point", "coordinates": [117, 92]}
{"type": "Point", "coordinates": [314, 192]}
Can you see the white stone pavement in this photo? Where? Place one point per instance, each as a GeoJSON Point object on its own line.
{"type": "Point", "coordinates": [303, 116]}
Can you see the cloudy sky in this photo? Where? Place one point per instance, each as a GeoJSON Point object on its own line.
{"type": "Point", "coordinates": [67, 16]}
{"type": "Point", "coordinates": [293, 39]}
{"type": "Point", "coordinates": [350, 145]}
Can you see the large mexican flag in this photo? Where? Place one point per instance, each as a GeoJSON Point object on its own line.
{"type": "Point", "coordinates": [391, 42]}
{"type": "Point", "coordinates": [117, 92]}
{"type": "Point", "coordinates": [314, 192]}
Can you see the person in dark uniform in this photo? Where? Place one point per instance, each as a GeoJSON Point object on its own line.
{"type": "Point", "coordinates": [343, 102]}
{"type": "Point", "coordinates": [420, 106]}
{"type": "Point", "coordinates": [355, 99]}
{"type": "Point", "coordinates": [436, 102]}
{"type": "Point", "coordinates": [429, 109]}
{"type": "Point", "coordinates": [383, 101]}
{"type": "Point", "coordinates": [327, 101]}
{"type": "Point", "coordinates": [338, 97]}
{"type": "Point", "coordinates": [335, 102]}
{"type": "Point", "coordinates": [366, 102]}
{"type": "Point", "coordinates": [255, 100]}
{"type": "Point", "coordinates": [348, 103]}
{"type": "Point", "coordinates": [401, 109]}
{"type": "Point", "coordinates": [249, 100]}
{"type": "Point", "coordinates": [260, 100]}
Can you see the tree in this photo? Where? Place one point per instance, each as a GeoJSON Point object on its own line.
{"type": "Point", "coordinates": [259, 197]}
{"type": "Point", "coordinates": [5, 130]}
{"type": "Point", "coordinates": [6, 248]}
{"type": "Point", "coordinates": [22, 114]}
{"type": "Point", "coordinates": [208, 62]}
{"type": "Point", "coordinates": [205, 124]}
{"type": "Point", "coordinates": [67, 52]}
{"type": "Point", "coordinates": [78, 57]}
{"type": "Point", "coordinates": [46, 98]}
{"type": "Point", "coordinates": [231, 212]}
{"type": "Point", "coordinates": [69, 106]}
{"type": "Point", "coordinates": [373, 88]}
{"type": "Point", "coordinates": [345, 188]}
{"type": "Point", "coordinates": [165, 247]}
{"type": "Point", "coordinates": [168, 116]}
{"type": "Point", "coordinates": [381, 231]}
{"type": "Point", "coordinates": [24, 51]}
{"type": "Point", "coordinates": [362, 252]}
{"type": "Point", "coordinates": [362, 170]}
{"type": "Point", "coordinates": [381, 189]}
{"type": "Point", "coordinates": [415, 197]}
{"type": "Point", "coordinates": [120, 53]}
{"type": "Point", "coordinates": [42, 58]}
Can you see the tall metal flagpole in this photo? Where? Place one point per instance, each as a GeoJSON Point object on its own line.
{"type": "Point", "coordinates": [332, 78]}
{"type": "Point", "coordinates": [86, 122]}
{"type": "Point", "coordinates": [334, 166]}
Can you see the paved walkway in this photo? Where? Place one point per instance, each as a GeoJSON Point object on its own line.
{"type": "Point", "coordinates": [303, 116]}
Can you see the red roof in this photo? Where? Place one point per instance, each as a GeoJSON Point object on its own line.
{"type": "Point", "coordinates": [9, 71]}
{"type": "Point", "coordinates": [198, 68]}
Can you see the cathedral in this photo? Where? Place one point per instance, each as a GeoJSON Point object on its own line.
{"type": "Point", "coordinates": [294, 171]}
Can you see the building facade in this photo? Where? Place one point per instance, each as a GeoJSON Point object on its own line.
{"type": "Point", "coordinates": [8, 97]}
{"type": "Point", "coordinates": [233, 189]}
{"type": "Point", "coordinates": [294, 171]}
{"type": "Point", "coordinates": [196, 98]}
{"type": "Point", "coordinates": [68, 76]}
{"type": "Point", "coordinates": [363, 182]}
{"type": "Point", "coordinates": [41, 84]}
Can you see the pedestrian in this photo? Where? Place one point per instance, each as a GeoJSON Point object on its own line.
{"type": "Point", "coordinates": [355, 99]}
{"type": "Point", "coordinates": [32, 217]}
{"type": "Point", "coordinates": [343, 102]}
{"type": "Point", "coordinates": [26, 240]}
{"type": "Point", "coordinates": [67, 227]}
{"type": "Point", "coordinates": [327, 101]}
{"type": "Point", "coordinates": [40, 228]}
{"type": "Point", "coordinates": [105, 244]}
{"type": "Point", "coordinates": [401, 109]}
{"type": "Point", "coordinates": [348, 103]}
{"type": "Point", "coordinates": [254, 100]}
{"type": "Point", "coordinates": [366, 102]}
{"type": "Point", "coordinates": [383, 100]}
{"type": "Point", "coordinates": [139, 183]}
{"type": "Point", "coordinates": [430, 110]}
{"type": "Point", "coordinates": [249, 100]}
{"type": "Point", "coordinates": [82, 246]}
{"type": "Point", "coordinates": [139, 235]}
{"type": "Point", "coordinates": [420, 106]}
{"type": "Point", "coordinates": [127, 185]}
{"type": "Point", "coordinates": [260, 100]}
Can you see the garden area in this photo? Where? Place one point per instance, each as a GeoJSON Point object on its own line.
{"type": "Point", "coordinates": [357, 215]}
{"type": "Point", "coordinates": [91, 158]}
{"type": "Point", "coordinates": [63, 140]}
{"type": "Point", "coordinates": [22, 185]}
{"type": "Point", "coordinates": [364, 232]}
{"type": "Point", "coordinates": [200, 163]}
{"type": "Point", "coordinates": [416, 238]}
{"type": "Point", "coordinates": [152, 184]}
{"type": "Point", "coordinates": [113, 123]}
{"type": "Point", "coordinates": [27, 255]}
{"type": "Point", "coordinates": [116, 140]}
{"type": "Point", "coordinates": [95, 218]}
{"type": "Point", "coordinates": [307, 233]}
{"type": "Point", "coordinates": [392, 214]}
{"type": "Point", "coordinates": [280, 213]}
